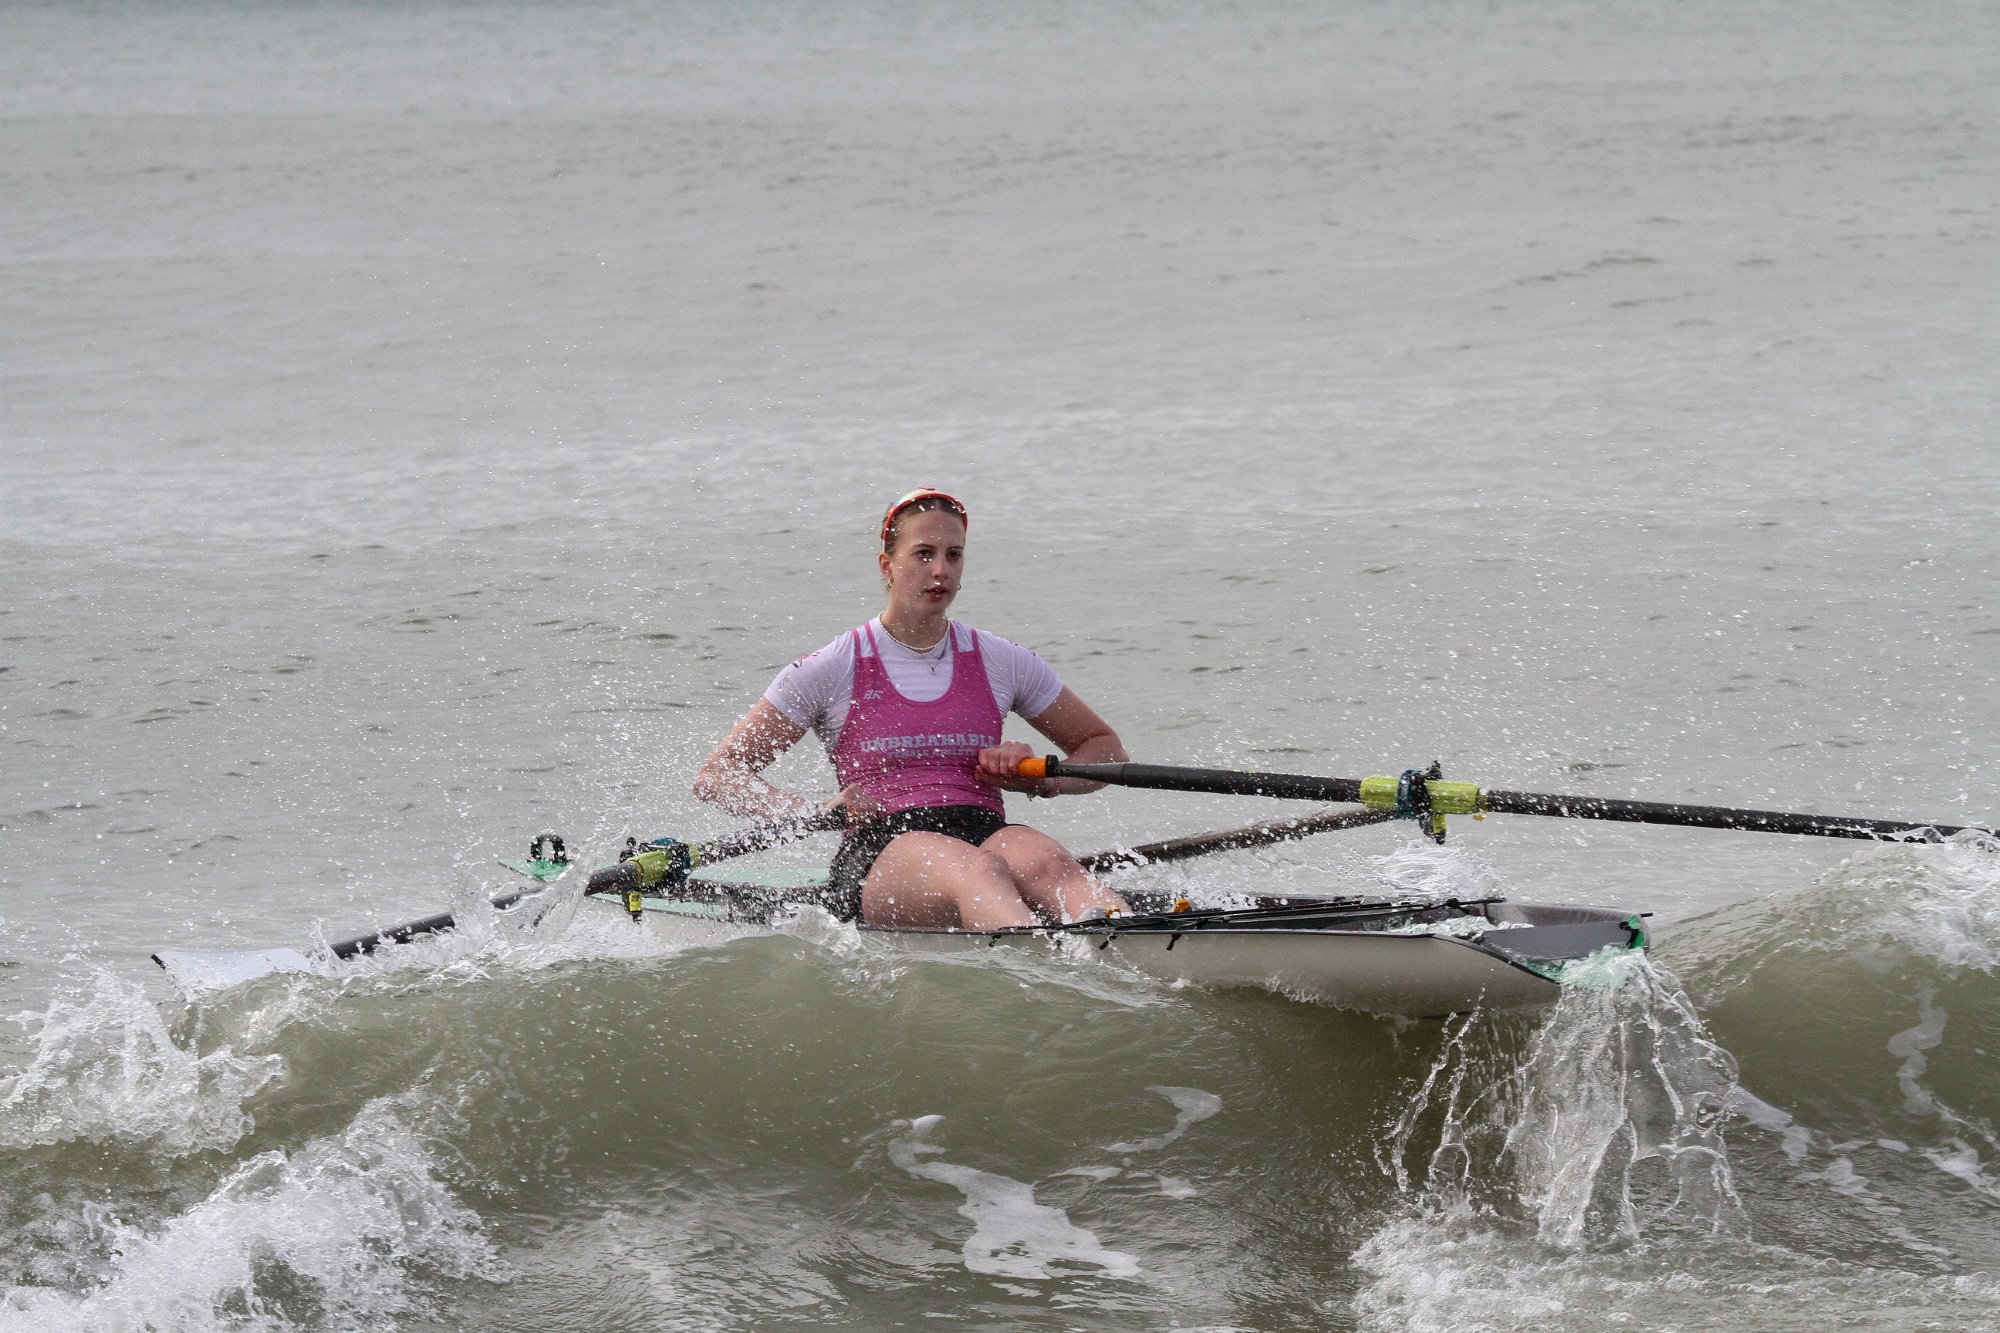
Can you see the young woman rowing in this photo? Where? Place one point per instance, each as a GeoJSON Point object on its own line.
{"type": "Point", "coordinates": [910, 707]}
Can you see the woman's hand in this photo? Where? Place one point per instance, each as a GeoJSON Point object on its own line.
{"type": "Point", "coordinates": [856, 804]}
{"type": "Point", "coordinates": [1000, 765]}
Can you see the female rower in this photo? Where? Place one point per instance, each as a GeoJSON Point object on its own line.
{"type": "Point", "coordinates": [910, 707]}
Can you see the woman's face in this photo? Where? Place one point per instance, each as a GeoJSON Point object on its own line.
{"type": "Point", "coordinates": [924, 570]}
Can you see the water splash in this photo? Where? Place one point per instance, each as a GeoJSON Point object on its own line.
{"type": "Point", "coordinates": [1623, 1071]}
{"type": "Point", "coordinates": [1432, 1277]}
{"type": "Point", "coordinates": [1431, 873]}
{"type": "Point", "coordinates": [876, 965]}
{"type": "Point", "coordinates": [1620, 1073]}
{"type": "Point", "coordinates": [1941, 903]}
{"type": "Point", "coordinates": [1935, 904]}
{"type": "Point", "coordinates": [338, 1234]}
{"type": "Point", "coordinates": [1557, 1167]}
{"type": "Point", "coordinates": [106, 1069]}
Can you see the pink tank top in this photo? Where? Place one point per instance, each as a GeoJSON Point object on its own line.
{"type": "Point", "coordinates": [910, 755]}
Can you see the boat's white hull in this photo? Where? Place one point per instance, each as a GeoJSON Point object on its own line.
{"type": "Point", "coordinates": [1371, 971]}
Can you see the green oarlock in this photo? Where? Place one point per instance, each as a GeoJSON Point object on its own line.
{"type": "Point", "coordinates": [1455, 798]}
{"type": "Point", "coordinates": [1379, 793]}
{"type": "Point", "coordinates": [1447, 798]}
{"type": "Point", "coordinates": [654, 867]}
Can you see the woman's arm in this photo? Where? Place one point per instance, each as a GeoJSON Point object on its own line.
{"type": "Point", "coordinates": [733, 777]}
{"type": "Point", "coordinates": [1072, 724]}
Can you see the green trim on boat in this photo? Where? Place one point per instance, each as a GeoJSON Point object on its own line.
{"type": "Point", "coordinates": [541, 870]}
{"type": "Point", "coordinates": [711, 911]}
{"type": "Point", "coordinates": [763, 877]}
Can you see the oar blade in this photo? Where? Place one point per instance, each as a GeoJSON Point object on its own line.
{"type": "Point", "coordinates": [198, 971]}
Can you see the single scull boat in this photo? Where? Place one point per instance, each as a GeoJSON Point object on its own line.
{"type": "Point", "coordinates": [1414, 959]}
{"type": "Point", "coordinates": [1382, 955]}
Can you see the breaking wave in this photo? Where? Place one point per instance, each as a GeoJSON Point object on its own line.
{"type": "Point", "coordinates": [350, 1231]}
{"type": "Point", "coordinates": [1648, 1148]}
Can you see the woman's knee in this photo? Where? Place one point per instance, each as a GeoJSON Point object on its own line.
{"type": "Point", "coordinates": [1031, 857]}
{"type": "Point", "coordinates": [991, 865]}
{"type": "Point", "coordinates": [981, 880]}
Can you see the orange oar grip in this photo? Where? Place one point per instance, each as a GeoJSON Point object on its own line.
{"type": "Point", "coordinates": [1032, 768]}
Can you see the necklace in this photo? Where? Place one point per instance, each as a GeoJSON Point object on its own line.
{"type": "Point", "coordinates": [943, 645]}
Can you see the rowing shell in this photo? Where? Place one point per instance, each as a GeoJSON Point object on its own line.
{"type": "Point", "coordinates": [1378, 956]}
{"type": "Point", "coordinates": [1375, 955]}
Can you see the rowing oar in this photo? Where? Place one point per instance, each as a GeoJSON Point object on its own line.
{"type": "Point", "coordinates": [1427, 797]}
{"type": "Point", "coordinates": [1229, 840]}
{"type": "Point", "coordinates": [666, 859]}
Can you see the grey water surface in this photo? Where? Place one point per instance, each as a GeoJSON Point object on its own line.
{"type": "Point", "coordinates": [422, 425]}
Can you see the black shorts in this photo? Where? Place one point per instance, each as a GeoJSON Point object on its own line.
{"type": "Point", "coordinates": [862, 844]}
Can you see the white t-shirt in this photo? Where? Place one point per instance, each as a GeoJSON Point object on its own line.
{"type": "Point", "coordinates": [817, 690]}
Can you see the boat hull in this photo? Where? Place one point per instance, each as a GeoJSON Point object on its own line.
{"type": "Point", "coordinates": [1413, 976]}
{"type": "Point", "coordinates": [1421, 962]}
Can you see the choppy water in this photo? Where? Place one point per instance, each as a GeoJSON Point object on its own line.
{"type": "Point", "coordinates": [423, 425]}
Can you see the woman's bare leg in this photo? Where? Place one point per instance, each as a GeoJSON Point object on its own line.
{"type": "Point", "coordinates": [1047, 877]}
{"type": "Point", "coordinates": [929, 879]}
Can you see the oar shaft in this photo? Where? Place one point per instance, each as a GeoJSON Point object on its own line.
{"type": "Point", "coordinates": [1710, 816]}
{"type": "Point", "coordinates": [411, 930]}
{"type": "Point", "coordinates": [1382, 793]}
{"type": "Point", "coordinates": [1252, 835]}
